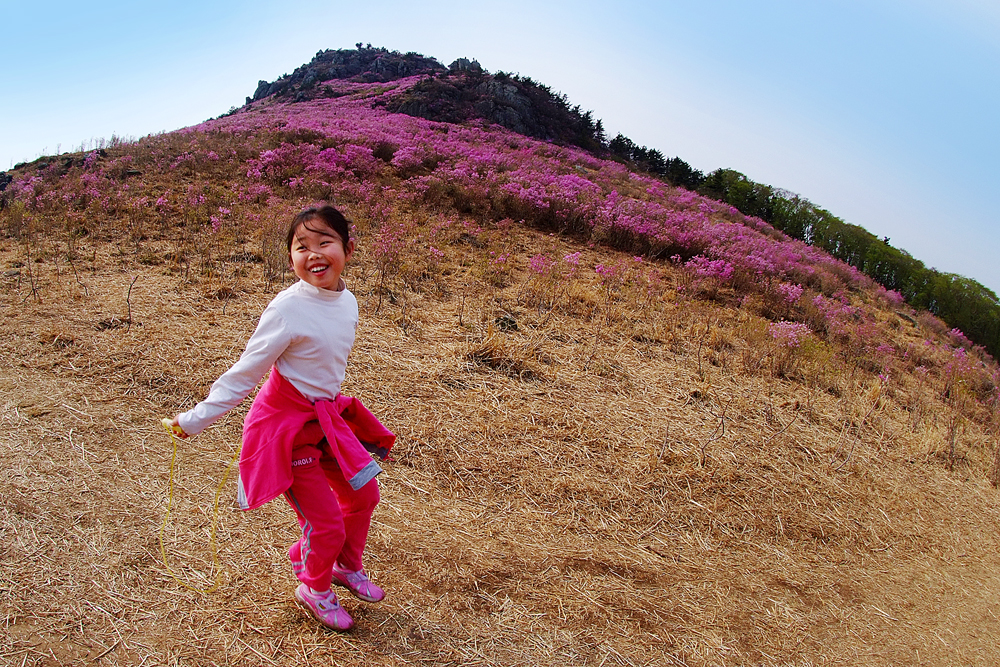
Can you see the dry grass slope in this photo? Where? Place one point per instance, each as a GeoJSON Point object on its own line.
{"type": "Point", "coordinates": [584, 476]}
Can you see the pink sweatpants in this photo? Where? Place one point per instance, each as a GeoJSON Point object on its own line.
{"type": "Point", "coordinates": [334, 517]}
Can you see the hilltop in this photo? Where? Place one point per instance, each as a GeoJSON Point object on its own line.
{"type": "Point", "coordinates": [637, 426]}
{"type": "Point", "coordinates": [464, 92]}
{"type": "Point", "coordinates": [460, 93]}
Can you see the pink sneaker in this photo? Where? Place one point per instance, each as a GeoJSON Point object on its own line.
{"type": "Point", "coordinates": [358, 583]}
{"type": "Point", "coordinates": [324, 608]}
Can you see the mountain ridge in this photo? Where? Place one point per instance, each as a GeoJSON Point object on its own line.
{"type": "Point", "coordinates": [459, 93]}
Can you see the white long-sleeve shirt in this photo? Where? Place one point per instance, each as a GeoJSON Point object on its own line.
{"type": "Point", "coordinates": [305, 332]}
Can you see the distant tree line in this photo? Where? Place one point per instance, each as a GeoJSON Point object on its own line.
{"type": "Point", "coordinates": [959, 301]}
{"type": "Point", "coordinates": [674, 170]}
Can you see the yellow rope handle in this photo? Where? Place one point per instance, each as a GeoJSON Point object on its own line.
{"type": "Point", "coordinates": [172, 432]}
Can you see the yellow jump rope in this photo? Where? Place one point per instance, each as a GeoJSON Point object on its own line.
{"type": "Point", "coordinates": [175, 431]}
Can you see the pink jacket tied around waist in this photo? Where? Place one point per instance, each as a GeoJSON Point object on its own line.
{"type": "Point", "coordinates": [279, 413]}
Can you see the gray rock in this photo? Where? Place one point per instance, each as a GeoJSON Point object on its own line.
{"type": "Point", "coordinates": [465, 65]}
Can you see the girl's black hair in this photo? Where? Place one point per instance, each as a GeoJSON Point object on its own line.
{"type": "Point", "coordinates": [328, 216]}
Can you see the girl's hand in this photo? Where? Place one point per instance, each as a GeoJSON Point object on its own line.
{"type": "Point", "coordinates": [174, 426]}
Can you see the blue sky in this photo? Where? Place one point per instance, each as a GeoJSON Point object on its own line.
{"type": "Point", "coordinates": [884, 112]}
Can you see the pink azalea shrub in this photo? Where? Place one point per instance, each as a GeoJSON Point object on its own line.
{"type": "Point", "coordinates": [788, 334]}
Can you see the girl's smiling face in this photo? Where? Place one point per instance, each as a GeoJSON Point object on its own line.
{"type": "Point", "coordinates": [318, 255]}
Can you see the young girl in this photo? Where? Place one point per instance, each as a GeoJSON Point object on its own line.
{"type": "Point", "coordinates": [302, 438]}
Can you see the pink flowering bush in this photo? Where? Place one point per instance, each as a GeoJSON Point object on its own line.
{"type": "Point", "coordinates": [832, 315]}
{"type": "Point", "coordinates": [544, 282]}
{"type": "Point", "coordinates": [573, 262]}
{"type": "Point", "coordinates": [541, 265]}
{"type": "Point", "coordinates": [388, 245]}
{"type": "Point", "coordinates": [788, 334]}
{"type": "Point", "coordinates": [703, 267]}
{"type": "Point", "coordinates": [789, 338]}
{"type": "Point", "coordinates": [497, 268]}
{"type": "Point", "coordinates": [891, 298]}
{"type": "Point", "coordinates": [959, 339]}
{"type": "Point", "coordinates": [790, 293]}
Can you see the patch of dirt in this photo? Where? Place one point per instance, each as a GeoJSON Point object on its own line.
{"type": "Point", "coordinates": [629, 503]}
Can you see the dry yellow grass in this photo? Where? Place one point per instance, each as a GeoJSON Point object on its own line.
{"type": "Point", "coordinates": [581, 485]}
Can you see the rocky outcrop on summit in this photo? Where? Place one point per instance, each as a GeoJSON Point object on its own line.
{"type": "Point", "coordinates": [462, 92]}
{"type": "Point", "coordinates": [468, 93]}
{"type": "Point", "coordinates": [364, 64]}
{"type": "Point", "coordinates": [464, 64]}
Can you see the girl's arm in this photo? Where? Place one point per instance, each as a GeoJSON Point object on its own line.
{"type": "Point", "coordinates": [268, 341]}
